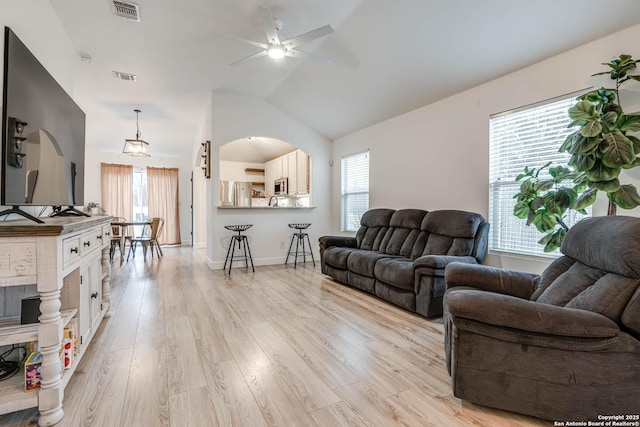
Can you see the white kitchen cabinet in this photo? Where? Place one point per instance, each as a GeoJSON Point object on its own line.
{"type": "Point", "coordinates": [268, 178]}
{"type": "Point", "coordinates": [68, 260]}
{"type": "Point", "coordinates": [292, 171]}
{"type": "Point", "coordinates": [302, 173]}
{"type": "Point", "coordinates": [277, 168]}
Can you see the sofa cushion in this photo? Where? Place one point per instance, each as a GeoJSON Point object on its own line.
{"type": "Point", "coordinates": [591, 289]}
{"type": "Point", "coordinates": [397, 272]}
{"type": "Point", "coordinates": [591, 243]}
{"type": "Point", "coordinates": [374, 224]}
{"type": "Point", "coordinates": [451, 232]}
{"type": "Point", "coordinates": [337, 256]}
{"type": "Point", "coordinates": [404, 229]}
{"type": "Point", "coordinates": [363, 262]}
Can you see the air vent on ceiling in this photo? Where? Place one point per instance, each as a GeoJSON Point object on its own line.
{"type": "Point", "coordinates": [124, 76]}
{"type": "Point", "coordinates": [126, 10]}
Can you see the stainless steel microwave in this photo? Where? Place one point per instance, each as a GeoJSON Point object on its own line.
{"type": "Point", "coordinates": [280, 187]}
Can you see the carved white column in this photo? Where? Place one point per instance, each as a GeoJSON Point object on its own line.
{"type": "Point", "coordinates": [106, 282]}
{"type": "Point", "coordinates": [49, 338]}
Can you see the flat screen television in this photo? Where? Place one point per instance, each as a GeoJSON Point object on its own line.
{"type": "Point", "coordinates": [43, 134]}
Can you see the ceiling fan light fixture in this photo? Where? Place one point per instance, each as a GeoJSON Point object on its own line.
{"type": "Point", "coordinates": [276, 52]}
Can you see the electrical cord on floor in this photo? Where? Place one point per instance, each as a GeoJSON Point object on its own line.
{"type": "Point", "coordinates": [9, 368]}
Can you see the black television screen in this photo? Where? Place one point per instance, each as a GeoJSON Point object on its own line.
{"type": "Point", "coordinates": [43, 134]}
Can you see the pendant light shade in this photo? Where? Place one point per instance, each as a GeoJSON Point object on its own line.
{"type": "Point", "coordinates": [136, 147]}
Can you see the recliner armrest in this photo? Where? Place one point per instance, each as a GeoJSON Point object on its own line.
{"type": "Point", "coordinates": [515, 313]}
{"type": "Point", "coordinates": [441, 261]}
{"type": "Point", "coordinates": [343, 241]}
{"type": "Point", "coordinates": [509, 282]}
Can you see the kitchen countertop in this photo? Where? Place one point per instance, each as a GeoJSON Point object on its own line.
{"type": "Point", "coordinates": [267, 207]}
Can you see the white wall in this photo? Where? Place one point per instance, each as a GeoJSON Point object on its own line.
{"type": "Point", "coordinates": [235, 171]}
{"type": "Point", "coordinates": [93, 193]}
{"type": "Point", "coordinates": [200, 183]}
{"type": "Point", "coordinates": [235, 117]}
{"type": "Point", "coordinates": [436, 157]}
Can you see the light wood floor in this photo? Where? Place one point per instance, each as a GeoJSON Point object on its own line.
{"type": "Point", "coordinates": [187, 346]}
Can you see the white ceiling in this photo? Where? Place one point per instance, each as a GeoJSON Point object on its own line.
{"type": "Point", "coordinates": [254, 149]}
{"type": "Point", "coordinates": [389, 57]}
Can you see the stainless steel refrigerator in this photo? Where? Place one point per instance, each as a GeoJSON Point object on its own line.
{"type": "Point", "coordinates": [235, 193]}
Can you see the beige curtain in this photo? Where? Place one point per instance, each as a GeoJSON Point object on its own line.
{"type": "Point", "coordinates": [117, 190]}
{"type": "Point", "coordinates": [162, 190]}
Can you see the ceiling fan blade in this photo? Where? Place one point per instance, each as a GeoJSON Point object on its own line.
{"type": "Point", "coordinates": [307, 37]}
{"type": "Point", "coordinates": [249, 58]}
{"type": "Point", "coordinates": [300, 54]}
{"type": "Point", "coordinates": [269, 26]}
{"type": "Point", "coordinates": [251, 42]}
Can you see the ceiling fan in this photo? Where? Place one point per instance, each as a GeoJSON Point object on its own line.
{"type": "Point", "coordinates": [277, 48]}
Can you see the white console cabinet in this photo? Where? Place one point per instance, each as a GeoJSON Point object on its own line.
{"type": "Point", "coordinates": [68, 259]}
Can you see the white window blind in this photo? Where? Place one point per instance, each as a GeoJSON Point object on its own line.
{"type": "Point", "coordinates": [355, 190]}
{"type": "Point", "coordinates": [527, 137]}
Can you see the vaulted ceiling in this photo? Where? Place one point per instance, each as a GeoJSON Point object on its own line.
{"type": "Point", "coordinates": [388, 57]}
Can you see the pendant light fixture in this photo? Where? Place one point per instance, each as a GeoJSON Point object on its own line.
{"type": "Point", "coordinates": [136, 147]}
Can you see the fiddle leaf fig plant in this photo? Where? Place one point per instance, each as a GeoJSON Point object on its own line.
{"type": "Point", "coordinates": [600, 148]}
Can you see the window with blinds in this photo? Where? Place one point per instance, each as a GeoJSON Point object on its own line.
{"type": "Point", "coordinates": [525, 137]}
{"type": "Point", "coordinates": [355, 190]}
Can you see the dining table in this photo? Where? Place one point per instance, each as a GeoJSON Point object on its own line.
{"type": "Point", "coordinates": [124, 225]}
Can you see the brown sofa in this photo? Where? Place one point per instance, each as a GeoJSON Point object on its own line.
{"type": "Point", "coordinates": [400, 255]}
{"type": "Point", "coordinates": [564, 345]}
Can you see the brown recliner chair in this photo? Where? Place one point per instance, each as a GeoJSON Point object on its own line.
{"type": "Point", "coordinates": [560, 346]}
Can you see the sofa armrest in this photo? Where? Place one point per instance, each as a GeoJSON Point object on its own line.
{"type": "Point", "coordinates": [509, 282]}
{"type": "Point", "coordinates": [344, 241]}
{"type": "Point", "coordinates": [441, 261]}
{"type": "Point", "coordinates": [515, 313]}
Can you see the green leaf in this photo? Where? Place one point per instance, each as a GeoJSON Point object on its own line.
{"type": "Point", "coordinates": [545, 239]}
{"type": "Point", "coordinates": [583, 110]}
{"type": "Point", "coordinates": [576, 123]}
{"type": "Point", "coordinates": [607, 186]}
{"type": "Point", "coordinates": [633, 164]}
{"type": "Point", "coordinates": [582, 162]}
{"type": "Point", "coordinates": [521, 210]}
{"type": "Point", "coordinates": [544, 221]}
{"type": "Point", "coordinates": [584, 145]}
{"type": "Point", "coordinates": [617, 150]}
{"type": "Point", "coordinates": [568, 142]}
{"type": "Point", "coordinates": [629, 123]}
{"type": "Point", "coordinates": [609, 120]}
{"type": "Point", "coordinates": [636, 78]}
{"type": "Point", "coordinates": [544, 186]}
{"type": "Point", "coordinates": [586, 199]}
{"type": "Point", "coordinates": [591, 129]}
{"type": "Point", "coordinates": [636, 143]}
{"type": "Point", "coordinates": [556, 240]}
{"type": "Point", "coordinates": [536, 203]}
{"type": "Point", "coordinates": [601, 172]}
{"type": "Point", "coordinates": [626, 197]}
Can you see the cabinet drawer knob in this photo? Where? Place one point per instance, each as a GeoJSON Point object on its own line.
{"type": "Point", "coordinates": [88, 243]}
{"type": "Point", "coordinates": [99, 236]}
{"type": "Point", "coordinates": [74, 250]}
{"type": "Point", "coordinates": [107, 234]}
{"type": "Point", "coordinates": [94, 295]}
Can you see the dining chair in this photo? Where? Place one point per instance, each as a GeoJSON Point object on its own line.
{"type": "Point", "coordinates": [149, 239]}
{"type": "Point", "coordinates": [116, 235]}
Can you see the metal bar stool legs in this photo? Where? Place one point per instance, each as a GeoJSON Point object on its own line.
{"type": "Point", "coordinates": [299, 237]}
{"type": "Point", "coordinates": [243, 243]}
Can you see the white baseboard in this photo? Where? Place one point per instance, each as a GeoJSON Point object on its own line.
{"type": "Point", "coordinates": [218, 265]}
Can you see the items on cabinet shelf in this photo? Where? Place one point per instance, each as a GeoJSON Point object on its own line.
{"type": "Point", "coordinates": [30, 310]}
{"type": "Point", "coordinates": [32, 374]}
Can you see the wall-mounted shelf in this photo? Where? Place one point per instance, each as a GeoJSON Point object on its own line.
{"type": "Point", "coordinates": [253, 170]}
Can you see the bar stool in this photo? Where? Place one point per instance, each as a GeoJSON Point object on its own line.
{"type": "Point", "coordinates": [242, 242]}
{"type": "Point", "coordinates": [299, 237]}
